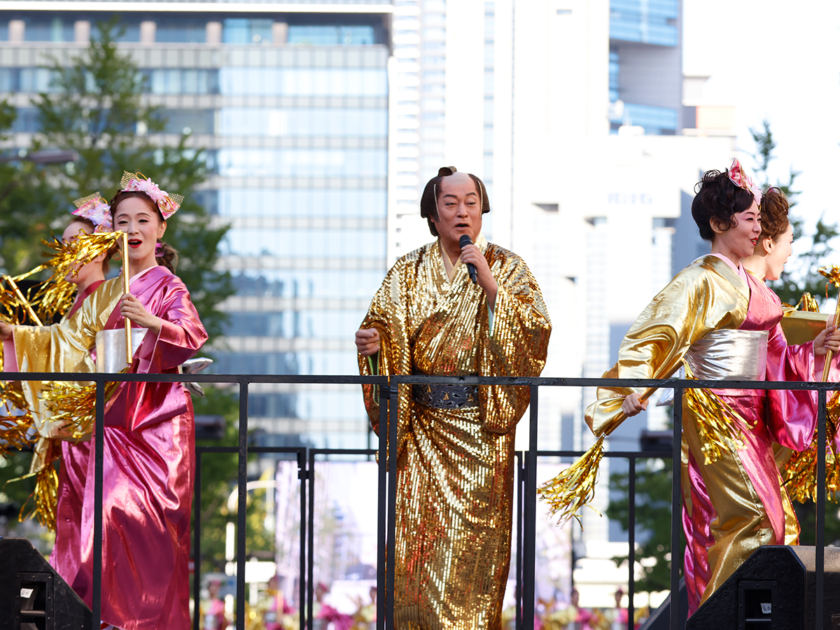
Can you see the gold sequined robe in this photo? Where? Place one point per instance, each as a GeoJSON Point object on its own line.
{"type": "Point", "coordinates": [455, 466]}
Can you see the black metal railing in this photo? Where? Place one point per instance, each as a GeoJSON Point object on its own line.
{"type": "Point", "coordinates": [387, 491]}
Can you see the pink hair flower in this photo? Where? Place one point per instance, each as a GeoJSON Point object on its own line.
{"type": "Point", "coordinates": [96, 210]}
{"type": "Point", "coordinates": [166, 203]}
{"type": "Point", "coordinates": [739, 177]}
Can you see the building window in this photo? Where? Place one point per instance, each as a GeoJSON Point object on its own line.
{"type": "Point", "coordinates": [181, 32]}
{"type": "Point", "coordinates": [247, 31]}
{"type": "Point", "coordinates": [183, 81]}
{"type": "Point", "coordinates": [200, 121]}
{"type": "Point", "coordinates": [48, 30]}
{"type": "Point", "coordinates": [331, 35]}
{"type": "Point", "coordinates": [615, 66]}
{"type": "Point", "coordinates": [126, 32]}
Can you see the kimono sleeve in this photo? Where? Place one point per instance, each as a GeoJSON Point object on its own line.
{"type": "Point", "coordinates": [517, 345]}
{"type": "Point", "coordinates": [181, 334]}
{"type": "Point", "coordinates": [694, 303]}
{"type": "Point", "coordinates": [387, 314]}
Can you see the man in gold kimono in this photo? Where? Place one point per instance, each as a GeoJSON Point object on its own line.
{"type": "Point", "coordinates": [455, 444]}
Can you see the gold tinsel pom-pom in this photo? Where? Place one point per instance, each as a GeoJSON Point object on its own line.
{"type": "Point", "coordinates": [16, 421]}
{"type": "Point", "coordinates": [55, 297]}
{"type": "Point", "coordinates": [71, 404]}
{"type": "Point", "coordinates": [718, 424]}
{"type": "Point", "coordinates": [574, 488]}
{"type": "Point", "coordinates": [45, 497]}
{"type": "Point", "coordinates": [800, 471]}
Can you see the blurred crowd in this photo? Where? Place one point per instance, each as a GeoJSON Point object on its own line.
{"type": "Point", "coordinates": [273, 612]}
{"type": "Point", "coordinates": [555, 615]}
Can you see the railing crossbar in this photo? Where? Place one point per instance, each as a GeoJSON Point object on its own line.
{"type": "Point", "coordinates": [526, 480]}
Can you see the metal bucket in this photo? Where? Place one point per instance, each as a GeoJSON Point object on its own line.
{"type": "Point", "coordinates": [110, 348]}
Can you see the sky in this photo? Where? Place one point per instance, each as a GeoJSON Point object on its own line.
{"type": "Point", "coordinates": [778, 61]}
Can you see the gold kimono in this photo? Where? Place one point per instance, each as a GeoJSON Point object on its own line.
{"type": "Point", "coordinates": [731, 484]}
{"type": "Point", "coordinates": [455, 465]}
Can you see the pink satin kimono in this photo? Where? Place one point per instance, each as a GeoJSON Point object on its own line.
{"type": "Point", "coordinates": [72, 474]}
{"type": "Point", "coordinates": [148, 461]}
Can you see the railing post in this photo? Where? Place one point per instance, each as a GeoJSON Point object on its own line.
{"type": "Point", "coordinates": [676, 509]}
{"type": "Point", "coordinates": [197, 542]}
{"type": "Point", "coordinates": [242, 504]}
{"type": "Point", "coordinates": [530, 526]}
{"type": "Point", "coordinates": [310, 581]}
{"type": "Point", "coordinates": [631, 543]}
{"type": "Point", "coordinates": [820, 533]}
{"type": "Point", "coordinates": [382, 521]}
{"type": "Point", "coordinates": [305, 478]}
{"type": "Point", "coordinates": [520, 485]}
{"type": "Point", "coordinates": [98, 467]}
{"type": "Point", "coordinates": [393, 422]}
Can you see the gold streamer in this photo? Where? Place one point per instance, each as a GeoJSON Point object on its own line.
{"type": "Point", "coordinates": [800, 471]}
{"type": "Point", "coordinates": [808, 304]}
{"type": "Point", "coordinates": [832, 274]}
{"type": "Point", "coordinates": [718, 425]}
{"type": "Point", "coordinates": [55, 297]}
{"type": "Point", "coordinates": [574, 488]}
{"type": "Point", "coordinates": [45, 495]}
{"type": "Point", "coordinates": [74, 404]}
{"type": "Point", "coordinates": [16, 422]}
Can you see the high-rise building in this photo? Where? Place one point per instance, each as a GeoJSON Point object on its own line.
{"type": "Point", "coordinates": [573, 112]}
{"type": "Point", "coordinates": [291, 108]}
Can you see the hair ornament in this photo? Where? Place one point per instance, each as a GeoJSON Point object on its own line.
{"type": "Point", "coordinates": [739, 177]}
{"type": "Point", "coordinates": [158, 250]}
{"type": "Point", "coordinates": [96, 210]}
{"type": "Point", "coordinates": [166, 203]}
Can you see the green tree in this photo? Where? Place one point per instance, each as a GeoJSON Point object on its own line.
{"type": "Point", "coordinates": [813, 249]}
{"type": "Point", "coordinates": [95, 108]}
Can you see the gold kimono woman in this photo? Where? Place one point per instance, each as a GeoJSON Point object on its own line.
{"type": "Point", "coordinates": [455, 443]}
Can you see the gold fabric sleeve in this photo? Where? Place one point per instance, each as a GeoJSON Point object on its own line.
{"type": "Point", "coordinates": [388, 316]}
{"type": "Point", "coordinates": [517, 346]}
{"type": "Point", "coordinates": [62, 347]}
{"type": "Point", "coordinates": [707, 295]}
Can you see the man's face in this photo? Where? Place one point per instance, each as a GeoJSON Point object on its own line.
{"type": "Point", "coordinates": [458, 208]}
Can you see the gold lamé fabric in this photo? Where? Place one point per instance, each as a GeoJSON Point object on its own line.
{"type": "Point", "coordinates": [733, 501]}
{"type": "Point", "coordinates": [455, 466]}
{"type": "Point", "coordinates": [705, 296]}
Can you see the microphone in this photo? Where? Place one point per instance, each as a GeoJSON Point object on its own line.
{"type": "Point", "coordinates": [463, 242]}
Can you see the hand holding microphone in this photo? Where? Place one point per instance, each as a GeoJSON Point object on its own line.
{"type": "Point", "coordinates": [463, 242]}
{"type": "Point", "coordinates": [478, 268]}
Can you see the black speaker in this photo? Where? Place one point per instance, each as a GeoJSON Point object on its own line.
{"type": "Point", "coordinates": [32, 595]}
{"type": "Point", "coordinates": [774, 590]}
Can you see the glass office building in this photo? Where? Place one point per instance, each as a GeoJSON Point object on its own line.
{"type": "Point", "coordinates": [644, 65]}
{"type": "Point", "coordinates": [292, 110]}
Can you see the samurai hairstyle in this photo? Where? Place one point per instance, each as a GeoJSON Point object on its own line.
{"type": "Point", "coordinates": [431, 194]}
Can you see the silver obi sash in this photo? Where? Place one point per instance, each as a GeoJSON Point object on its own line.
{"type": "Point", "coordinates": [730, 355]}
{"type": "Point", "coordinates": [446, 396]}
{"type": "Point", "coordinates": [110, 348]}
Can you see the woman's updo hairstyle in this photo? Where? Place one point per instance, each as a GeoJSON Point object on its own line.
{"type": "Point", "coordinates": [89, 228]}
{"type": "Point", "coordinates": [165, 254]}
{"type": "Point", "coordinates": [774, 213]}
{"type": "Point", "coordinates": [716, 197]}
{"type": "Point", "coordinates": [431, 193]}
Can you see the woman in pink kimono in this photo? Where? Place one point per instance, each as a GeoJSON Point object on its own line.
{"type": "Point", "coordinates": [149, 427]}
{"type": "Point", "coordinates": [721, 322]}
{"type": "Point", "coordinates": [785, 417]}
